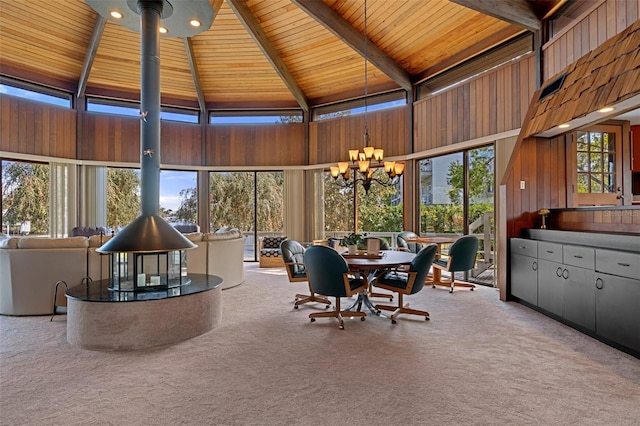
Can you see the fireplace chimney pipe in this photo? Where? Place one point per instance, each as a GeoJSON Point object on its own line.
{"type": "Point", "coordinates": [150, 12]}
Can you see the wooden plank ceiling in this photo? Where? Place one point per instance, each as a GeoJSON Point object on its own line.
{"type": "Point", "coordinates": [258, 53]}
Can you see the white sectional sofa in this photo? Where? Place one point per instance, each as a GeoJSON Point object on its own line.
{"type": "Point", "coordinates": [30, 267]}
{"type": "Point", "coordinates": [218, 253]}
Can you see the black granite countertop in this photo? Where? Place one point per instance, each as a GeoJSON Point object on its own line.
{"type": "Point", "coordinates": [98, 291]}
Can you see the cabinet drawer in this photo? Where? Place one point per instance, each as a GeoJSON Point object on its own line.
{"type": "Point", "coordinates": [524, 247]}
{"type": "Point", "coordinates": [550, 251]}
{"type": "Point", "coordinates": [583, 257]}
{"type": "Point", "coordinates": [618, 263]}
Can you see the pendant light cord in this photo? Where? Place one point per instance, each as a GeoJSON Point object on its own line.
{"type": "Point", "coordinates": [366, 76]}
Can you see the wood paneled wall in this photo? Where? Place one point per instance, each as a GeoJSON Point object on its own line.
{"type": "Point", "coordinates": [618, 220]}
{"type": "Point", "coordinates": [597, 26]}
{"type": "Point", "coordinates": [330, 140]}
{"type": "Point", "coordinates": [28, 127]}
{"type": "Point", "coordinates": [247, 145]}
{"type": "Point", "coordinates": [110, 138]}
{"type": "Point", "coordinates": [181, 143]}
{"type": "Point", "coordinates": [493, 103]}
{"type": "Point", "coordinates": [114, 138]}
{"type": "Point", "coordinates": [541, 164]}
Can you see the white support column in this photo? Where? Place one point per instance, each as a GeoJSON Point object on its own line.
{"type": "Point", "coordinates": [63, 202]}
{"type": "Point", "coordinates": [93, 211]}
{"type": "Point", "coordinates": [294, 205]}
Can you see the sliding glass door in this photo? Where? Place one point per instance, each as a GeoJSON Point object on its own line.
{"type": "Point", "coordinates": [253, 202]}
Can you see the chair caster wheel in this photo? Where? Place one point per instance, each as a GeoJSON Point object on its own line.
{"type": "Point", "coordinates": [341, 327]}
{"type": "Point", "coordinates": [471, 289]}
{"type": "Point", "coordinates": [326, 306]}
{"type": "Point", "coordinates": [313, 320]}
{"type": "Point", "coordinates": [394, 321]}
{"type": "Point", "coordinates": [296, 307]}
{"type": "Point", "coordinates": [361, 318]}
{"type": "Point", "coordinates": [427, 318]}
{"type": "Point", "coordinates": [433, 286]}
{"type": "Point", "coordinates": [450, 291]}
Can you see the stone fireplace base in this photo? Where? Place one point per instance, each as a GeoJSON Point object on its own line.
{"type": "Point", "coordinates": [96, 321]}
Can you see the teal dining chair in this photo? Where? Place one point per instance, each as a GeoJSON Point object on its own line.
{"type": "Point", "coordinates": [293, 256]}
{"type": "Point", "coordinates": [329, 275]}
{"type": "Point", "coordinates": [406, 283]}
{"type": "Point", "coordinates": [461, 257]}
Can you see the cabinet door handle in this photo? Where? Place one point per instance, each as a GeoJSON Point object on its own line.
{"type": "Point", "coordinates": [559, 272]}
{"type": "Point", "coordinates": [565, 274]}
{"type": "Point", "coordinates": [534, 266]}
{"type": "Point", "coordinates": [550, 251]}
{"type": "Point", "coordinates": [577, 256]}
{"type": "Point", "coordinates": [624, 264]}
{"type": "Point", "coordinates": [599, 283]}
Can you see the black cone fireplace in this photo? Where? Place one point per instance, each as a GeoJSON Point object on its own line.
{"type": "Point", "coordinates": [148, 254]}
{"type": "Point", "coordinates": [146, 301]}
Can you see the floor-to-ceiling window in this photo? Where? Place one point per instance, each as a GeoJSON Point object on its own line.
{"type": "Point", "coordinates": [338, 207]}
{"type": "Point", "coordinates": [457, 197]}
{"type": "Point", "coordinates": [179, 196]}
{"type": "Point", "coordinates": [123, 196]}
{"type": "Point", "coordinates": [25, 198]}
{"type": "Point", "coordinates": [253, 202]}
{"type": "Point", "coordinates": [441, 197]}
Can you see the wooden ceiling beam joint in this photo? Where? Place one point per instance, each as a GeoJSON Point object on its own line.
{"type": "Point", "coordinates": [92, 48]}
{"type": "Point", "coordinates": [333, 22]}
{"type": "Point", "coordinates": [517, 12]}
{"type": "Point", "coordinates": [188, 47]}
{"type": "Point", "coordinates": [252, 25]}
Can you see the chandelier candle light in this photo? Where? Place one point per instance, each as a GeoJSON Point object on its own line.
{"type": "Point", "coordinates": [362, 161]}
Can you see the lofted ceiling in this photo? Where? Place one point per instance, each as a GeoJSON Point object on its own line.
{"type": "Point", "coordinates": [261, 53]}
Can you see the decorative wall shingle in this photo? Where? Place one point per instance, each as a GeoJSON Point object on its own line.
{"type": "Point", "coordinates": [605, 76]}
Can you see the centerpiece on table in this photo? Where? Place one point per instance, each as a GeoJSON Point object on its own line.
{"type": "Point", "coordinates": [352, 241]}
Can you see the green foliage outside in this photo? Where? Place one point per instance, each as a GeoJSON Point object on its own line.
{"type": "Point", "coordinates": [375, 210]}
{"type": "Point", "coordinates": [338, 206]}
{"type": "Point", "coordinates": [123, 197]}
{"type": "Point", "coordinates": [449, 218]}
{"type": "Point", "coordinates": [25, 195]}
{"type": "Point", "coordinates": [188, 210]}
{"type": "Point", "coordinates": [232, 200]}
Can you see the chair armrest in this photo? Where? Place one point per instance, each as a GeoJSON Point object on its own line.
{"type": "Point", "coordinates": [444, 268]}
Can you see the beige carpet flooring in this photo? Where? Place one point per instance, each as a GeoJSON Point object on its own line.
{"type": "Point", "coordinates": [478, 361]}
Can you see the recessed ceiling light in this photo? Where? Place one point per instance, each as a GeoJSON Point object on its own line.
{"type": "Point", "coordinates": [195, 23]}
{"type": "Point", "coordinates": [605, 109]}
{"type": "Point", "coordinates": [163, 30]}
{"type": "Point", "coordinates": [116, 14]}
{"type": "Point", "coordinates": [564, 126]}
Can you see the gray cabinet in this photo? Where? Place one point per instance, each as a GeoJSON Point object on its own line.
{"type": "Point", "coordinates": [550, 279]}
{"type": "Point", "coordinates": [594, 289]}
{"type": "Point", "coordinates": [579, 298]}
{"type": "Point", "coordinates": [524, 270]}
{"type": "Point", "coordinates": [617, 285]}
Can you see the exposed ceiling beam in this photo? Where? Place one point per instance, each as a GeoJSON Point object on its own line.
{"type": "Point", "coordinates": [193, 66]}
{"type": "Point", "coordinates": [332, 21]}
{"type": "Point", "coordinates": [252, 25]}
{"type": "Point", "coordinates": [517, 12]}
{"type": "Point", "coordinates": [94, 42]}
{"type": "Point", "coordinates": [195, 75]}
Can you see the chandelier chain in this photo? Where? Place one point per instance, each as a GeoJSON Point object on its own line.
{"type": "Point", "coordinates": [366, 74]}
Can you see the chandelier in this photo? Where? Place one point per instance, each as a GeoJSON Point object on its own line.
{"type": "Point", "coordinates": [364, 163]}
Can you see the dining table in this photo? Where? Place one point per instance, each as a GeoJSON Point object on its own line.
{"type": "Point", "coordinates": [439, 241]}
{"type": "Point", "coordinates": [368, 265]}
